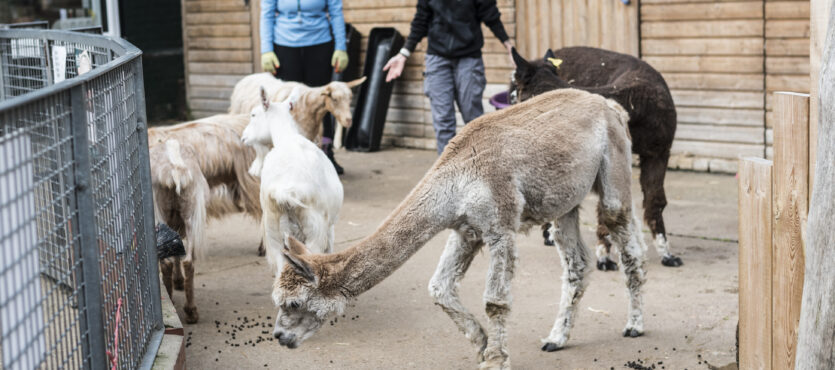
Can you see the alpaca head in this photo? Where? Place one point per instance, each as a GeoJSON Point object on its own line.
{"type": "Point", "coordinates": [533, 78]}
{"type": "Point", "coordinates": [304, 301]}
{"type": "Point", "coordinates": [264, 116]}
{"type": "Point", "coordinates": [338, 100]}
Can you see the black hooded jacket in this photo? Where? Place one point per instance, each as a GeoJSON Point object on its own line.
{"type": "Point", "coordinates": [454, 26]}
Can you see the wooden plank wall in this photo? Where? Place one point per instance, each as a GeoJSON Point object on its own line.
{"type": "Point", "coordinates": [218, 39]}
{"type": "Point", "coordinates": [711, 54]}
{"type": "Point", "coordinates": [787, 34]}
{"type": "Point", "coordinates": [409, 121]}
{"type": "Point", "coordinates": [556, 24]}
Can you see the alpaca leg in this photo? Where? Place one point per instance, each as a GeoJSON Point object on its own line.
{"type": "Point", "coordinates": [178, 276]}
{"type": "Point", "coordinates": [166, 267]}
{"type": "Point", "coordinates": [331, 239]}
{"type": "Point", "coordinates": [604, 249]}
{"type": "Point", "coordinates": [653, 170]}
{"type": "Point", "coordinates": [627, 237]}
{"type": "Point", "coordinates": [574, 258]}
{"type": "Point", "coordinates": [456, 259]}
{"type": "Point", "coordinates": [189, 308]}
{"type": "Point", "coordinates": [497, 300]}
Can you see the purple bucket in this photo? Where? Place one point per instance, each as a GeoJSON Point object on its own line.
{"type": "Point", "coordinates": [500, 100]}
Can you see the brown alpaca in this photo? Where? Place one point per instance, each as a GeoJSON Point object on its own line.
{"type": "Point", "coordinates": [199, 171]}
{"type": "Point", "coordinates": [641, 90]}
{"type": "Point", "coordinates": [504, 173]}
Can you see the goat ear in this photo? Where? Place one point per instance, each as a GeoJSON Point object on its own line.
{"type": "Point", "coordinates": [549, 54]}
{"type": "Point", "coordinates": [355, 83]}
{"type": "Point", "coordinates": [326, 91]}
{"type": "Point", "coordinates": [522, 65]}
{"type": "Point", "coordinates": [265, 101]}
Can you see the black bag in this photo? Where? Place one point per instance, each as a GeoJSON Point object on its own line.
{"type": "Point", "coordinates": [169, 243]}
{"type": "Point", "coordinates": [373, 102]}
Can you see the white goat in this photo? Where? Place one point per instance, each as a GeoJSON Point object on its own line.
{"type": "Point", "coordinates": [301, 194]}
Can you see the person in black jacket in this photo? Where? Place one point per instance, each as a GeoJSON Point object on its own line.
{"type": "Point", "coordinates": [454, 69]}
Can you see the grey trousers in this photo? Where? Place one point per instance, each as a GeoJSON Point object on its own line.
{"type": "Point", "coordinates": [448, 81]}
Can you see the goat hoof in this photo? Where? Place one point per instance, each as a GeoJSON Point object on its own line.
{"type": "Point", "coordinates": [605, 264]}
{"type": "Point", "coordinates": [633, 333]}
{"type": "Point", "coordinates": [261, 250]}
{"type": "Point", "coordinates": [191, 315]}
{"type": "Point", "coordinates": [549, 243]}
{"type": "Point", "coordinates": [671, 261]}
{"type": "Point", "coordinates": [546, 236]}
{"type": "Point", "coordinates": [550, 347]}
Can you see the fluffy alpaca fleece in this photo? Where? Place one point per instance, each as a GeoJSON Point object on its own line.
{"type": "Point", "coordinates": [642, 91]}
{"type": "Point", "coordinates": [301, 194]}
{"type": "Point", "coordinates": [312, 104]}
{"type": "Point", "coordinates": [199, 171]}
{"type": "Point", "coordinates": [502, 174]}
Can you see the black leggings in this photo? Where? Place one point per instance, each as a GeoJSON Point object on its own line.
{"type": "Point", "coordinates": [310, 65]}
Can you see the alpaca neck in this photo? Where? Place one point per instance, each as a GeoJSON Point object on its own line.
{"type": "Point", "coordinates": [422, 215]}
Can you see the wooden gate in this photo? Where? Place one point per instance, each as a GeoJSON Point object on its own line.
{"type": "Point", "coordinates": [607, 24]}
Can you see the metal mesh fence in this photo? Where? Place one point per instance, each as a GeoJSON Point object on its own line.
{"type": "Point", "coordinates": [78, 276]}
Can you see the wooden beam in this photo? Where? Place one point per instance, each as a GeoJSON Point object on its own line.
{"type": "Point", "coordinates": [790, 209]}
{"type": "Point", "coordinates": [816, 335]}
{"type": "Point", "coordinates": [755, 197]}
{"type": "Point", "coordinates": [818, 20]}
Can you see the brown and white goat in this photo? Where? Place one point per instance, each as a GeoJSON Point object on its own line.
{"type": "Point", "coordinates": [199, 171]}
{"type": "Point", "coordinates": [314, 102]}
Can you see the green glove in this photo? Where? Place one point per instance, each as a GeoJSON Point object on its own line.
{"type": "Point", "coordinates": [269, 62]}
{"type": "Point", "coordinates": [339, 60]}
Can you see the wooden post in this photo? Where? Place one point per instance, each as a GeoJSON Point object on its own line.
{"type": "Point", "coordinates": [816, 336]}
{"type": "Point", "coordinates": [755, 180]}
{"type": "Point", "coordinates": [790, 209]}
{"type": "Point", "coordinates": [819, 13]}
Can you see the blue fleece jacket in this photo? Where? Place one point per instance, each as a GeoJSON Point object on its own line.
{"type": "Point", "coordinates": [298, 23]}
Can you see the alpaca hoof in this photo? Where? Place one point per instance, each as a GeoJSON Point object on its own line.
{"type": "Point", "coordinates": [605, 264]}
{"type": "Point", "coordinates": [546, 235]}
{"type": "Point", "coordinates": [551, 347]}
{"type": "Point", "coordinates": [178, 285]}
{"type": "Point", "coordinates": [632, 333]}
{"type": "Point", "coordinates": [261, 250]}
{"type": "Point", "coordinates": [191, 315]}
{"type": "Point", "coordinates": [671, 261]}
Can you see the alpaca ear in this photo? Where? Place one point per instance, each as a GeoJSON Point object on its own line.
{"type": "Point", "coordinates": [294, 246]}
{"type": "Point", "coordinates": [355, 83]}
{"type": "Point", "coordinates": [265, 101]}
{"type": "Point", "coordinates": [549, 54]}
{"type": "Point", "coordinates": [522, 65]}
{"type": "Point", "coordinates": [293, 253]}
{"type": "Point", "coordinates": [300, 265]}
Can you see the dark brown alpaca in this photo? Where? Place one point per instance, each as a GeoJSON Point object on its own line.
{"type": "Point", "coordinates": [641, 90]}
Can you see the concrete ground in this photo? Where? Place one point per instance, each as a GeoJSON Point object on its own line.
{"type": "Point", "coordinates": [690, 311]}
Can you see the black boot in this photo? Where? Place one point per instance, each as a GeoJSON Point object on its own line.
{"type": "Point", "coordinates": [329, 153]}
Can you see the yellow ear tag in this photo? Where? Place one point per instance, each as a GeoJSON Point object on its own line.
{"type": "Point", "coordinates": [556, 62]}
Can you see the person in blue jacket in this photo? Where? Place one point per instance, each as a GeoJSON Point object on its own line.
{"type": "Point", "coordinates": [304, 41]}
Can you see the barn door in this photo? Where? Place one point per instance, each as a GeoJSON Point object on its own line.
{"type": "Point", "coordinates": [607, 24]}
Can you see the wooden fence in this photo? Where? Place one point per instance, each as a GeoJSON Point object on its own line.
{"type": "Point", "coordinates": [773, 205]}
